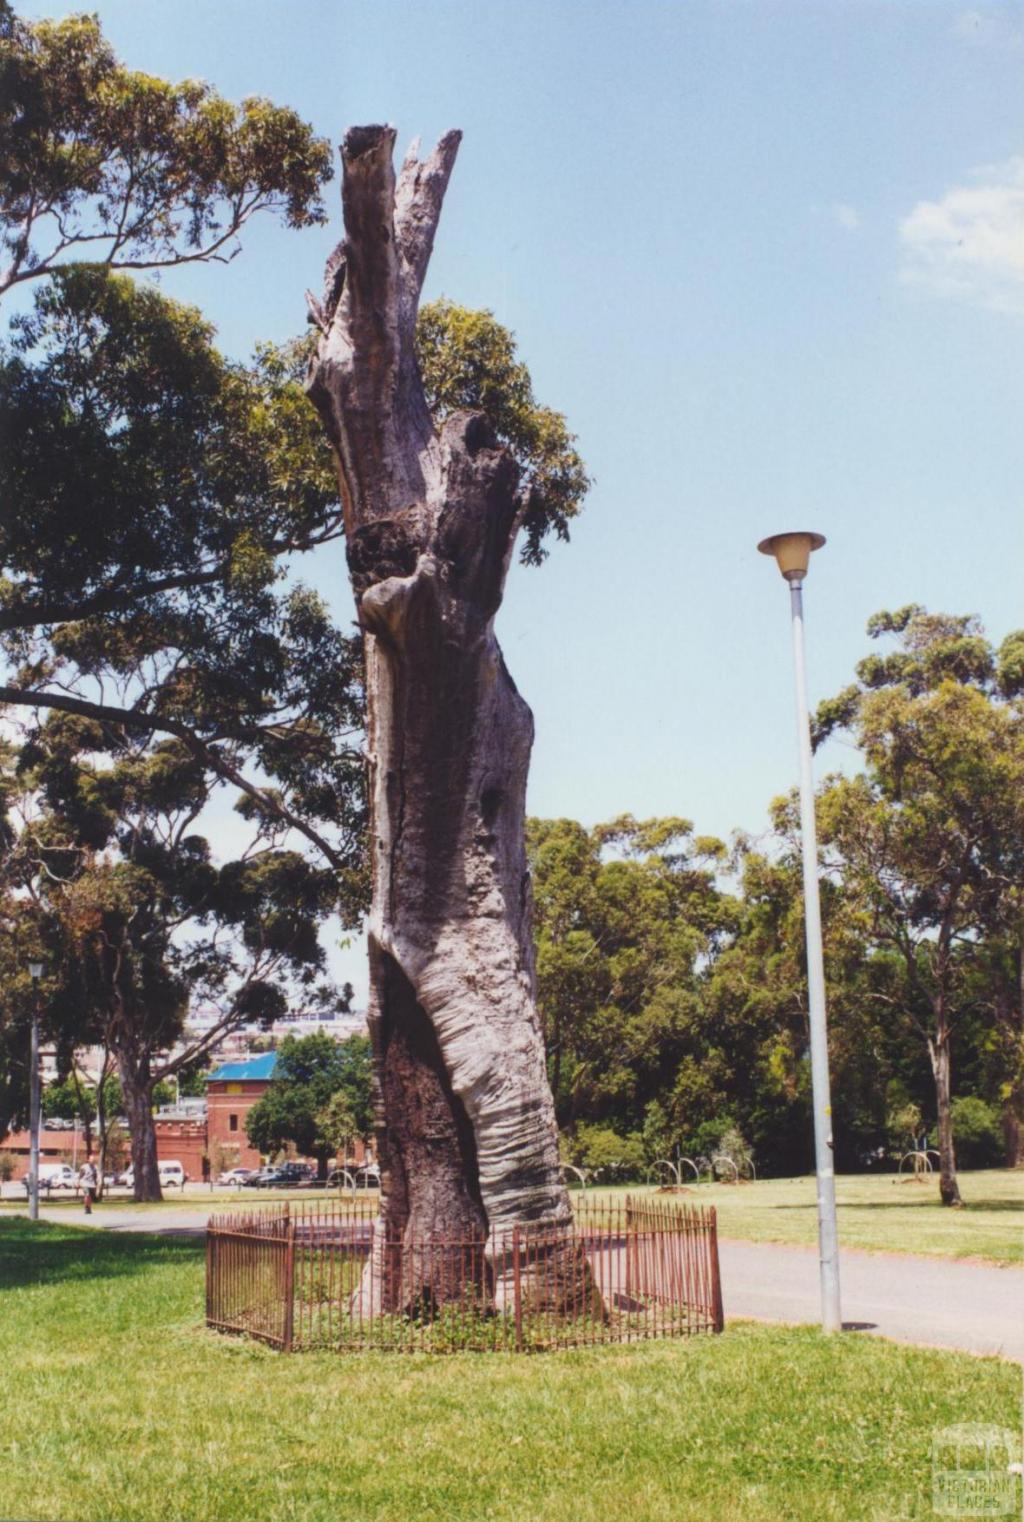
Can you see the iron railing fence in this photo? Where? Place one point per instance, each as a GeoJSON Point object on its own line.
{"type": "Point", "coordinates": [326, 1275]}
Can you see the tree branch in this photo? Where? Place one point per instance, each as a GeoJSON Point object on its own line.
{"type": "Point", "coordinates": [211, 758]}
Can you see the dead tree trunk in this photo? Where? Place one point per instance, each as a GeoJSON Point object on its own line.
{"type": "Point", "coordinates": [466, 1128]}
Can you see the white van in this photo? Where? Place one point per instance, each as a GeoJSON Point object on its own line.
{"type": "Point", "coordinates": [170, 1172]}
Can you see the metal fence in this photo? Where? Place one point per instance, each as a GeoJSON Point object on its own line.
{"type": "Point", "coordinates": [327, 1275]}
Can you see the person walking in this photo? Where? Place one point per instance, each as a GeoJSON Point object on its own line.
{"type": "Point", "coordinates": [88, 1178]}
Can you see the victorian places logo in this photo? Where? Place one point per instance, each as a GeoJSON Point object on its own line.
{"type": "Point", "coordinates": [975, 1471]}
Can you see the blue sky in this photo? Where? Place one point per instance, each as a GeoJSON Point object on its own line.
{"type": "Point", "coordinates": [769, 260]}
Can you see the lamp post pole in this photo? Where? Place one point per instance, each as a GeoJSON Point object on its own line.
{"type": "Point", "coordinates": [36, 972]}
{"type": "Point", "coordinates": [792, 551]}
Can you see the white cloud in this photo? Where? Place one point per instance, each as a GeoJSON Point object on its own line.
{"type": "Point", "coordinates": [990, 28]}
{"type": "Point", "coordinates": [970, 244]}
{"type": "Point", "coordinates": [846, 216]}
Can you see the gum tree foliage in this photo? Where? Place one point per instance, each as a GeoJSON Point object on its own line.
{"type": "Point", "coordinates": [300, 1105]}
{"type": "Point", "coordinates": [628, 917]}
{"type": "Point", "coordinates": [156, 489]}
{"type": "Point", "coordinates": [104, 163]}
{"type": "Point", "coordinates": [137, 922]}
{"type": "Point", "coordinates": [931, 838]}
{"type": "Point", "coordinates": [756, 1010]}
{"type": "Point", "coordinates": [469, 363]}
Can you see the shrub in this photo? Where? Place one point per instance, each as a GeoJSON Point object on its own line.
{"type": "Point", "coordinates": [601, 1147]}
{"type": "Point", "coordinates": [8, 1165]}
{"type": "Point", "coordinates": [977, 1133]}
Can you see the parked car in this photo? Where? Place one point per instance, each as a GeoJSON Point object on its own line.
{"type": "Point", "coordinates": [266, 1178]}
{"type": "Point", "coordinates": [55, 1176]}
{"type": "Point", "coordinates": [236, 1176]}
{"type": "Point", "coordinates": [295, 1173]}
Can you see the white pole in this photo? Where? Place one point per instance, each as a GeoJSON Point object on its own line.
{"type": "Point", "coordinates": [828, 1239]}
{"type": "Point", "coordinates": [33, 1145]}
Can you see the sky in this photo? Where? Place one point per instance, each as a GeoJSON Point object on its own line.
{"type": "Point", "coordinates": [768, 258]}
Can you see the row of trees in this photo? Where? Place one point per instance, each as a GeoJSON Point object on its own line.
{"type": "Point", "coordinates": [671, 969]}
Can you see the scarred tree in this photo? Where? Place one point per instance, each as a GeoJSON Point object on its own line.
{"type": "Point", "coordinates": [466, 1128]}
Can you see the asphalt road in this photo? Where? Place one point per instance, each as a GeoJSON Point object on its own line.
{"type": "Point", "coordinates": [937, 1302]}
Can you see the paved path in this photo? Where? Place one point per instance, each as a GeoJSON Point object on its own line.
{"type": "Point", "coordinates": [934, 1301]}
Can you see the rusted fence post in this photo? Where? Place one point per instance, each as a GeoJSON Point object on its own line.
{"type": "Point", "coordinates": [209, 1276]}
{"type": "Point", "coordinates": [716, 1276]}
{"type": "Point", "coordinates": [517, 1289]}
{"type": "Point", "coordinates": [287, 1331]}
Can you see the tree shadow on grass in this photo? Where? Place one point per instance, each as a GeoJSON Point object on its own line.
{"type": "Point", "coordinates": [42, 1253]}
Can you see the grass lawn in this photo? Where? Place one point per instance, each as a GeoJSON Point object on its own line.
{"type": "Point", "coordinates": [877, 1212]}
{"type": "Point", "coordinates": [121, 1406]}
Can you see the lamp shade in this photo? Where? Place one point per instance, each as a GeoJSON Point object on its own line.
{"type": "Point", "coordinates": [792, 552]}
{"type": "Point", "coordinates": [35, 971]}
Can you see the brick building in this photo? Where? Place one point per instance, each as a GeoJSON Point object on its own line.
{"type": "Point", "coordinates": [185, 1135]}
{"type": "Point", "coordinates": [231, 1091]}
{"type": "Point", "coordinates": [54, 1147]}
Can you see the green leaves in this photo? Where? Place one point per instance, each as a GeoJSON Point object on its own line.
{"type": "Point", "coordinates": [626, 916]}
{"type": "Point", "coordinates": [320, 1096]}
{"type": "Point", "coordinates": [468, 360]}
{"type": "Point", "coordinates": [131, 170]}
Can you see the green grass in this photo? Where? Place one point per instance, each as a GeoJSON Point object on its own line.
{"type": "Point", "coordinates": [878, 1213]}
{"type": "Point", "coordinates": [121, 1406]}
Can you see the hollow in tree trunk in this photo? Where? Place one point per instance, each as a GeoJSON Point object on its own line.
{"type": "Point", "coordinates": [467, 1141]}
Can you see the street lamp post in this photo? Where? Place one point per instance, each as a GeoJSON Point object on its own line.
{"type": "Point", "coordinates": [792, 553]}
{"type": "Point", "coordinates": [35, 973]}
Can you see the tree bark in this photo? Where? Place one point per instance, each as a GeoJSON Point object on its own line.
{"type": "Point", "coordinates": [938, 1051]}
{"type": "Point", "coordinates": [138, 1100]}
{"type": "Point", "coordinates": [466, 1133]}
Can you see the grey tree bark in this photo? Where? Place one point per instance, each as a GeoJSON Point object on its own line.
{"type": "Point", "coordinates": [938, 1051]}
{"type": "Point", "coordinates": [467, 1139]}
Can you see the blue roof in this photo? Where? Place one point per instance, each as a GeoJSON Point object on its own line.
{"type": "Point", "coordinates": [237, 1072]}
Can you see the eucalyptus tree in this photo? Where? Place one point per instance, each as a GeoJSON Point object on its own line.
{"type": "Point", "coordinates": [629, 919]}
{"type": "Point", "coordinates": [931, 838]}
{"type": "Point", "coordinates": [141, 924]}
{"type": "Point", "coordinates": [467, 1136]}
{"type": "Point", "coordinates": [129, 171]}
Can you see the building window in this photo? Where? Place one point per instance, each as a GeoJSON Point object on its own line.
{"type": "Point", "coordinates": [232, 1122]}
